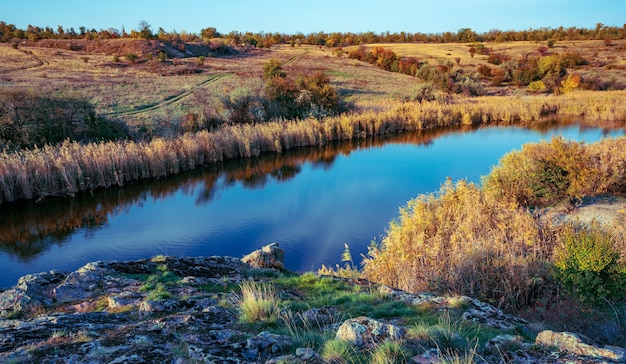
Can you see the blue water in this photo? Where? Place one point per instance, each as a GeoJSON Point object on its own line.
{"type": "Point", "coordinates": [311, 208]}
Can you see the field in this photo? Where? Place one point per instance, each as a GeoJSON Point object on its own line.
{"type": "Point", "coordinates": [153, 90]}
{"type": "Point", "coordinates": [149, 90]}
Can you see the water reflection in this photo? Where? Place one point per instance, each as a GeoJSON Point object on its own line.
{"type": "Point", "coordinates": [311, 200]}
{"type": "Point", "coordinates": [27, 229]}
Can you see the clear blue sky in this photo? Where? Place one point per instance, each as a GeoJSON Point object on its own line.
{"type": "Point", "coordinates": [432, 16]}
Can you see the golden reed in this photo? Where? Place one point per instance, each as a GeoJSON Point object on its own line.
{"type": "Point", "coordinates": [71, 167]}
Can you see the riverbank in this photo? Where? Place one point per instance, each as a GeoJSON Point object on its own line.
{"type": "Point", "coordinates": [168, 309]}
{"type": "Point", "coordinates": [71, 167]}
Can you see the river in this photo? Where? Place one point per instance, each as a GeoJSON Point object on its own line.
{"type": "Point", "coordinates": [309, 200]}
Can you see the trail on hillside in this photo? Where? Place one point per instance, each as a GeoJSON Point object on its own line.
{"type": "Point", "coordinates": [170, 100]}
{"type": "Point", "coordinates": [40, 62]}
{"type": "Point", "coordinates": [295, 58]}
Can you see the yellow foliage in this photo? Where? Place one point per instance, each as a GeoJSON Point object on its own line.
{"type": "Point", "coordinates": [461, 241]}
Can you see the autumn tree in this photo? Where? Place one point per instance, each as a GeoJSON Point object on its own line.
{"type": "Point", "coordinates": [144, 30]}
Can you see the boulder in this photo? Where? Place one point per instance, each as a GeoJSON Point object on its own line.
{"type": "Point", "coordinates": [269, 256]}
{"type": "Point", "coordinates": [579, 345]}
{"type": "Point", "coordinates": [31, 291]}
{"type": "Point", "coordinates": [266, 345]}
{"type": "Point", "coordinates": [82, 284]}
{"type": "Point", "coordinates": [364, 332]}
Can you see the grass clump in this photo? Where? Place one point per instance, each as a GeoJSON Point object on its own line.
{"type": "Point", "coordinates": [389, 352]}
{"type": "Point", "coordinates": [340, 352]}
{"type": "Point", "coordinates": [258, 302]}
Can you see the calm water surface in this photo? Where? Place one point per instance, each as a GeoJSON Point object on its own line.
{"type": "Point", "coordinates": [311, 201]}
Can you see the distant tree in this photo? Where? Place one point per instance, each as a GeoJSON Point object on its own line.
{"type": "Point", "coordinates": [144, 30]}
{"type": "Point", "coordinates": [209, 33]}
{"type": "Point", "coordinates": [466, 35]}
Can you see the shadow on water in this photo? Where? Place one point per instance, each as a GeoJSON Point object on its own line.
{"type": "Point", "coordinates": [28, 229]}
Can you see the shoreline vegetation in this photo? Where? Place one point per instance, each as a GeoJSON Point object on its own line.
{"type": "Point", "coordinates": [71, 167]}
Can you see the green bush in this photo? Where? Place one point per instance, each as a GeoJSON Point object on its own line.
{"type": "Point", "coordinates": [29, 118]}
{"type": "Point", "coordinates": [273, 68]}
{"type": "Point", "coordinates": [587, 264]}
{"type": "Point", "coordinates": [545, 173]}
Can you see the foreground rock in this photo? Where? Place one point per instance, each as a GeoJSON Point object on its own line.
{"type": "Point", "coordinates": [579, 345]}
{"type": "Point", "coordinates": [131, 312]}
{"type": "Point", "coordinates": [364, 332]}
{"type": "Point", "coordinates": [269, 256]}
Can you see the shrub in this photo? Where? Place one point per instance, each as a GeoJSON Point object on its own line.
{"type": "Point", "coordinates": [587, 264]}
{"type": "Point", "coordinates": [537, 86]}
{"type": "Point", "coordinates": [499, 76]}
{"type": "Point", "coordinates": [571, 83]}
{"type": "Point", "coordinates": [200, 60]}
{"type": "Point", "coordinates": [551, 65]}
{"type": "Point", "coordinates": [132, 57]}
{"type": "Point", "coordinates": [526, 71]}
{"type": "Point", "coordinates": [424, 92]}
{"type": "Point", "coordinates": [484, 70]}
{"type": "Point", "coordinates": [572, 60]}
{"type": "Point", "coordinates": [273, 68]}
{"type": "Point", "coordinates": [545, 173]}
{"type": "Point", "coordinates": [281, 94]}
{"type": "Point", "coordinates": [461, 241]}
{"type": "Point", "coordinates": [244, 105]}
{"type": "Point", "coordinates": [28, 118]}
{"type": "Point", "coordinates": [497, 58]}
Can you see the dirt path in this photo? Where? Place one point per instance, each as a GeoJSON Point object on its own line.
{"type": "Point", "coordinates": [40, 62]}
{"type": "Point", "coordinates": [172, 99]}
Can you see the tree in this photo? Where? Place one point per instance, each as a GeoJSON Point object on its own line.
{"type": "Point", "coordinates": [144, 30]}
{"type": "Point", "coordinates": [209, 33]}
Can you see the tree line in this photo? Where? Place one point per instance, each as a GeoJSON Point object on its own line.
{"type": "Point", "coordinates": [9, 32]}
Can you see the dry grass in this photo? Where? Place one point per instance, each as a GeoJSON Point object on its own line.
{"type": "Point", "coordinates": [461, 241]}
{"type": "Point", "coordinates": [72, 167]}
{"type": "Point", "coordinates": [258, 302]}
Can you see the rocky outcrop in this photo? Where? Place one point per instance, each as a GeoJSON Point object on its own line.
{"type": "Point", "coordinates": [270, 256]}
{"type": "Point", "coordinates": [473, 309]}
{"type": "Point", "coordinates": [180, 310]}
{"type": "Point", "coordinates": [578, 344]}
{"type": "Point", "coordinates": [364, 332]}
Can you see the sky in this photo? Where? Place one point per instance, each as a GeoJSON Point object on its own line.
{"type": "Point", "coordinates": [293, 16]}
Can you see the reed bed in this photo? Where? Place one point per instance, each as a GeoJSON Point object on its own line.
{"type": "Point", "coordinates": [71, 167]}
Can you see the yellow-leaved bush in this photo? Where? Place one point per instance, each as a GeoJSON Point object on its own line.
{"type": "Point", "coordinates": [462, 241]}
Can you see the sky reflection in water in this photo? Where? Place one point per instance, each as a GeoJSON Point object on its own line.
{"type": "Point", "coordinates": [311, 207]}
